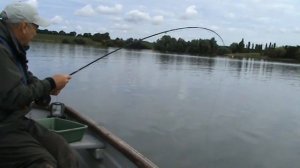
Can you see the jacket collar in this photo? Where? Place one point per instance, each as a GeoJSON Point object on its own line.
{"type": "Point", "coordinates": [11, 40]}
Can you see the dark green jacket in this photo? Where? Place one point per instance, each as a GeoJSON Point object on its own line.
{"type": "Point", "coordinates": [18, 87]}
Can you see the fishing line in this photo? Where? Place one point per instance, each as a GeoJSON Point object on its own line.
{"type": "Point", "coordinates": [142, 39]}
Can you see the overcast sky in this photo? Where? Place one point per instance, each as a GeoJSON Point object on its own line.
{"type": "Point", "coordinates": [258, 21]}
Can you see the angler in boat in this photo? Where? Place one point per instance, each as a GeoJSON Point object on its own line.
{"type": "Point", "coordinates": [23, 142]}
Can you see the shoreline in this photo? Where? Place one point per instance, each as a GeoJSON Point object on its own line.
{"type": "Point", "coordinates": [259, 56]}
{"type": "Point", "coordinates": [64, 39]}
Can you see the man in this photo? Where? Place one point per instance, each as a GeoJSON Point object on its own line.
{"type": "Point", "coordinates": [23, 142]}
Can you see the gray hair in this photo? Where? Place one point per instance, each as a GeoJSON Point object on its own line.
{"type": "Point", "coordinates": [8, 22]}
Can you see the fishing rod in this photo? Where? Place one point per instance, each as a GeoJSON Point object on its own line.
{"type": "Point", "coordinates": [142, 39]}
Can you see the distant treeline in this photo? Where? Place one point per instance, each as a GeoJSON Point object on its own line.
{"type": "Point", "coordinates": [166, 43]}
{"type": "Point", "coordinates": [269, 49]}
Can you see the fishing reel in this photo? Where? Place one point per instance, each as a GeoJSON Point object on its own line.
{"type": "Point", "coordinates": [57, 109]}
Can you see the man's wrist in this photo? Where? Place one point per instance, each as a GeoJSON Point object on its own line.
{"type": "Point", "coordinates": [52, 83]}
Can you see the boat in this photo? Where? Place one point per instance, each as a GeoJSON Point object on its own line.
{"type": "Point", "coordinates": [98, 147]}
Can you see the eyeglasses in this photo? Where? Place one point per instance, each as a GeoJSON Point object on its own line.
{"type": "Point", "coordinates": [35, 26]}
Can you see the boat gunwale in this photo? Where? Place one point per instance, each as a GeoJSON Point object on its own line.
{"type": "Point", "coordinates": [132, 154]}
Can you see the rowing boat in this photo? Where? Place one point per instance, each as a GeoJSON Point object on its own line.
{"type": "Point", "coordinates": [98, 147]}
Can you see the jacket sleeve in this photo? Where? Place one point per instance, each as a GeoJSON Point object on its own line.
{"type": "Point", "coordinates": [14, 94]}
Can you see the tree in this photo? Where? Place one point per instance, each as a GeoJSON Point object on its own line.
{"type": "Point", "coordinates": [258, 48]}
{"type": "Point", "coordinates": [102, 38]}
{"type": "Point", "coordinates": [297, 54]}
{"type": "Point", "coordinates": [73, 33]}
{"type": "Point", "coordinates": [234, 47]}
{"type": "Point", "coordinates": [270, 45]}
{"type": "Point", "coordinates": [223, 50]}
{"type": "Point", "coordinates": [88, 35]}
{"type": "Point", "coordinates": [248, 46]}
{"type": "Point", "coordinates": [241, 46]}
{"type": "Point", "coordinates": [163, 43]}
{"type": "Point", "coordinates": [213, 46]}
{"type": "Point", "coordinates": [62, 32]}
{"type": "Point", "coordinates": [291, 51]}
{"type": "Point", "coordinates": [277, 52]}
{"type": "Point", "coordinates": [181, 45]}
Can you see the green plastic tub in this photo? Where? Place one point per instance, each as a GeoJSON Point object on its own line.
{"type": "Point", "coordinates": [72, 131]}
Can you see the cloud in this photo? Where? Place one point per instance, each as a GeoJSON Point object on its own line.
{"type": "Point", "coordinates": [296, 30]}
{"type": "Point", "coordinates": [283, 30]}
{"type": "Point", "coordinates": [86, 11]}
{"type": "Point", "coordinates": [230, 15]}
{"type": "Point", "coordinates": [64, 28]}
{"type": "Point", "coordinates": [57, 20]}
{"type": "Point", "coordinates": [165, 13]}
{"type": "Point", "coordinates": [123, 27]}
{"type": "Point", "coordinates": [137, 16]}
{"type": "Point", "coordinates": [157, 20]}
{"type": "Point", "coordinates": [263, 19]}
{"type": "Point", "coordinates": [110, 10]}
{"type": "Point", "coordinates": [117, 19]}
{"type": "Point", "coordinates": [78, 28]}
{"type": "Point", "coordinates": [190, 12]}
{"type": "Point", "coordinates": [33, 2]}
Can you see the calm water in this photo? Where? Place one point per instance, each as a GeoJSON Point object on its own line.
{"type": "Point", "coordinates": [184, 111]}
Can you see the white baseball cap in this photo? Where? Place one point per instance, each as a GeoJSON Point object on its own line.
{"type": "Point", "coordinates": [22, 11]}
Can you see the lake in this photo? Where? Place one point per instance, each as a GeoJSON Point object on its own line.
{"type": "Point", "coordinates": [184, 111]}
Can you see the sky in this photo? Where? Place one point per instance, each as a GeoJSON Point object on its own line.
{"type": "Point", "coordinates": [255, 21]}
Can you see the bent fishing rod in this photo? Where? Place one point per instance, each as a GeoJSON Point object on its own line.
{"type": "Point", "coordinates": [142, 39]}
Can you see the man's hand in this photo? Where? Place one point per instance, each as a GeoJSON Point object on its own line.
{"type": "Point", "coordinates": [60, 81]}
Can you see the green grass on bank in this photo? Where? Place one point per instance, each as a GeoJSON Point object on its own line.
{"type": "Point", "coordinates": [246, 55]}
{"type": "Point", "coordinates": [259, 56]}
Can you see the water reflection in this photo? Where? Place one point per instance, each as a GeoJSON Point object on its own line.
{"type": "Point", "coordinates": [130, 55]}
{"type": "Point", "coordinates": [167, 61]}
{"type": "Point", "coordinates": [236, 68]}
{"type": "Point", "coordinates": [259, 69]}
